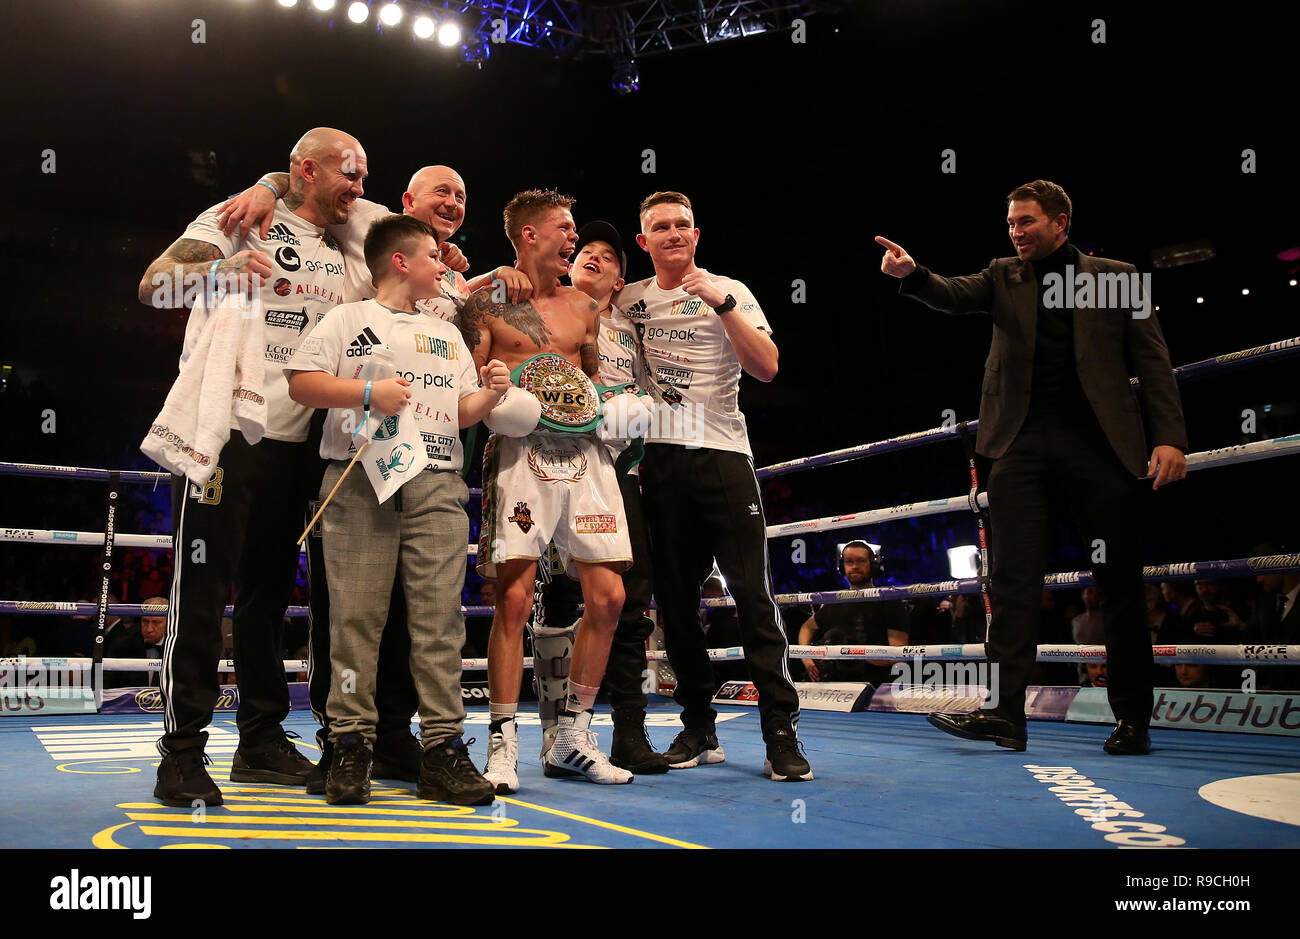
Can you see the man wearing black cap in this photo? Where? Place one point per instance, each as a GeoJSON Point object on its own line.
{"type": "Point", "coordinates": [598, 269]}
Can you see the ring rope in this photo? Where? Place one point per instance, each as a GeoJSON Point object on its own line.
{"type": "Point", "coordinates": [1256, 654]}
{"type": "Point", "coordinates": [1229, 361]}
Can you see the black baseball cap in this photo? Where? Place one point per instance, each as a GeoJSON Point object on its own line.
{"type": "Point", "coordinates": [603, 231]}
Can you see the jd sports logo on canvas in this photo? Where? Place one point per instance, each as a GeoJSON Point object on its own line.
{"type": "Point", "coordinates": [364, 343]}
{"type": "Point", "coordinates": [284, 233]}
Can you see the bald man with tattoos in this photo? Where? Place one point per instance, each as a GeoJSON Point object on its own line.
{"type": "Point", "coordinates": [241, 526]}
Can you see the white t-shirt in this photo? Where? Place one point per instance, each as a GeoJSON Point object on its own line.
{"type": "Point", "coordinates": [687, 358]}
{"type": "Point", "coordinates": [307, 279]}
{"type": "Point", "coordinates": [427, 352]}
{"type": "Point", "coordinates": [352, 236]}
{"type": "Point", "coordinates": [616, 343]}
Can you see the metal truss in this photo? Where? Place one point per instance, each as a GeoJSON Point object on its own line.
{"type": "Point", "coordinates": [623, 30]}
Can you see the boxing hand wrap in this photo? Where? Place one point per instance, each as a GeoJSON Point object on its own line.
{"type": "Point", "coordinates": [515, 415]}
{"type": "Point", "coordinates": [624, 417]}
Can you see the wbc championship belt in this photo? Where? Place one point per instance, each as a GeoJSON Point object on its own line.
{"type": "Point", "coordinates": [568, 398]}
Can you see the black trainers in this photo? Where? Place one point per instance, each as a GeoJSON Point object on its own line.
{"type": "Point", "coordinates": [785, 762]}
{"type": "Point", "coordinates": [348, 780]}
{"type": "Point", "coordinates": [182, 780]}
{"type": "Point", "coordinates": [448, 775]}
{"type": "Point", "coordinates": [316, 778]}
{"type": "Point", "coordinates": [397, 756]}
{"type": "Point", "coordinates": [275, 761]}
{"type": "Point", "coordinates": [694, 746]}
{"type": "Point", "coordinates": [631, 749]}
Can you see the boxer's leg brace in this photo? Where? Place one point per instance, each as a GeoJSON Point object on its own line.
{"type": "Point", "coordinates": [552, 655]}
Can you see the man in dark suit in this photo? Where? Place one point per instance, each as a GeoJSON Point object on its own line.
{"type": "Point", "coordinates": [130, 640]}
{"type": "Point", "coordinates": [1277, 617]}
{"type": "Point", "coordinates": [1058, 415]}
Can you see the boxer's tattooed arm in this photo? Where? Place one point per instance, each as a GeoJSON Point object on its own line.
{"type": "Point", "coordinates": [295, 197]}
{"type": "Point", "coordinates": [477, 340]}
{"type": "Point", "coordinates": [590, 359]}
{"type": "Point", "coordinates": [279, 180]}
{"type": "Point", "coordinates": [522, 317]}
{"type": "Point", "coordinates": [188, 250]}
{"type": "Point", "coordinates": [191, 256]}
{"type": "Point", "coordinates": [589, 352]}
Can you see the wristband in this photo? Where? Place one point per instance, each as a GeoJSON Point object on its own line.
{"type": "Point", "coordinates": [212, 271]}
{"type": "Point", "coordinates": [365, 399]}
{"type": "Point", "coordinates": [275, 192]}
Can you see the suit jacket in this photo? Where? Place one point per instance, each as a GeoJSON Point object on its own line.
{"type": "Point", "coordinates": [125, 641]}
{"type": "Point", "coordinates": [1265, 626]}
{"type": "Point", "coordinates": [1110, 346]}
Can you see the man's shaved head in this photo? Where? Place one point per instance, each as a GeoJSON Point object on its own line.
{"type": "Point", "coordinates": [430, 175]}
{"type": "Point", "coordinates": [321, 143]}
{"type": "Point", "coordinates": [326, 170]}
{"type": "Point", "coordinates": [436, 195]}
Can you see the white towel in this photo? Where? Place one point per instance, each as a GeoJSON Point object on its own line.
{"type": "Point", "coordinates": [219, 385]}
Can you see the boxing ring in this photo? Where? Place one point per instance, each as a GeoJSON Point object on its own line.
{"type": "Point", "coordinates": [884, 777]}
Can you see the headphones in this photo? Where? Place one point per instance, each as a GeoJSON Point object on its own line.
{"type": "Point", "coordinates": [876, 568]}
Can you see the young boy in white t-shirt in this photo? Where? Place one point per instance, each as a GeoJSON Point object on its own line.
{"type": "Point", "coordinates": [419, 530]}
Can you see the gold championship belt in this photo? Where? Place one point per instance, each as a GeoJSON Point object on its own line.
{"type": "Point", "coordinates": [568, 397]}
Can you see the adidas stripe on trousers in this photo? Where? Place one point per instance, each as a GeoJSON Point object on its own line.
{"type": "Point", "coordinates": [240, 528]}
{"type": "Point", "coordinates": [700, 505]}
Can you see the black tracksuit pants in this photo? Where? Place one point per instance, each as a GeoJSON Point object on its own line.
{"type": "Point", "coordinates": [240, 527]}
{"type": "Point", "coordinates": [1053, 456]}
{"type": "Point", "coordinates": [700, 505]}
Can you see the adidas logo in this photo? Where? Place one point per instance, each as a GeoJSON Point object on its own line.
{"type": "Point", "coordinates": [364, 343]}
{"type": "Point", "coordinates": [578, 761]}
{"type": "Point", "coordinates": [753, 508]}
{"type": "Point", "coordinates": [282, 232]}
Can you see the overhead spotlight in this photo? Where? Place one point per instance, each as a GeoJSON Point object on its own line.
{"type": "Point", "coordinates": [323, 5]}
{"type": "Point", "coordinates": [1200, 299]}
{"type": "Point", "coordinates": [423, 27]}
{"type": "Point", "coordinates": [358, 12]}
{"type": "Point", "coordinates": [391, 14]}
{"type": "Point", "coordinates": [626, 80]}
{"type": "Point", "coordinates": [1291, 282]}
{"type": "Point", "coordinates": [1245, 292]}
{"type": "Point", "coordinates": [288, 3]}
{"type": "Point", "coordinates": [449, 34]}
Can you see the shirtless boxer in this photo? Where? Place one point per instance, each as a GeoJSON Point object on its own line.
{"type": "Point", "coordinates": [543, 485]}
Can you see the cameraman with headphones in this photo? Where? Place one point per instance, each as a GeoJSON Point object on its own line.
{"type": "Point", "coordinates": [863, 622]}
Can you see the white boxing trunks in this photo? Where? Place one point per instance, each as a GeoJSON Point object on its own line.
{"type": "Point", "coordinates": [546, 486]}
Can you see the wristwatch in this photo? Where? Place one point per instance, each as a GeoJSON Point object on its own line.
{"type": "Point", "coordinates": [728, 305]}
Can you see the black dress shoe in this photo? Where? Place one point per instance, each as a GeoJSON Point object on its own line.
{"type": "Point", "coordinates": [981, 725]}
{"type": "Point", "coordinates": [1128, 739]}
